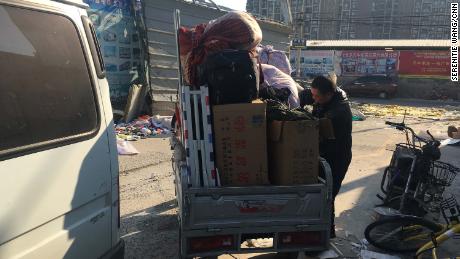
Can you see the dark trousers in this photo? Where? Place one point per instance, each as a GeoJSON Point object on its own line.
{"type": "Point", "coordinates": [339, 167]}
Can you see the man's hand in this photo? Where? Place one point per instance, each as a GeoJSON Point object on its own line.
{"type": "Point", "coordinates": [306, 97]}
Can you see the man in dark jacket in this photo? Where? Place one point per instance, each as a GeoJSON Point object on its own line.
{"type": "Point", "coordinates": [331, 102]}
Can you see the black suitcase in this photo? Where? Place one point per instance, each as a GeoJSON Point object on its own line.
{"type": "Point", "coordinates": [232, 77]}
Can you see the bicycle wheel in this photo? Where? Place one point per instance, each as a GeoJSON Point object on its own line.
{"type": "Point", "coordinates": [401, 234]}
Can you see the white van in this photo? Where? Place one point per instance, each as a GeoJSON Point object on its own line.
{"type": "Point", "coordinates": [59, 192]}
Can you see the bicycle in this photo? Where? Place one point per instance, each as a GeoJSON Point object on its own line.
{"type": "Point", "coordinates": [414, 181]}
{"type": "Point", "coordinates": [405, 233]}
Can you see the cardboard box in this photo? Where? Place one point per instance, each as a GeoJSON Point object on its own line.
{"type": "Point", "coordinates": [240, 132]}
{"type": "Point", "coordinates": [294, 152]}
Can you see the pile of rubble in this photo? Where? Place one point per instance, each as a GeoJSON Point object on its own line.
{"type": "Point", "coordinates": [144, 127]}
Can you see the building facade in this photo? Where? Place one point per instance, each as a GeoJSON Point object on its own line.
{"type": "Point", "coordinates": [361, 19]}
{"type": "Point", "coordinates": [268, 9]}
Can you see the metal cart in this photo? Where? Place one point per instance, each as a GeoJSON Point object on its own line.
{"type": "Point", "coordinates": [218, 220]}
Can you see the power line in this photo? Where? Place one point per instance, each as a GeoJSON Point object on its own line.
{"type": "Point", "coordinates": [394, 25]}
{"type": "Point", "coordinates": [384, 16]}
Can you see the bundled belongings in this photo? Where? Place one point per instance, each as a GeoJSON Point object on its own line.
{"type": "Point", "coordinates": [275, 94]}
{"type": "Point", "coordinates": [268, 55]}
{"type": "Point", "coordinates": [278, 111]}
{"type": "Point", "coordinates": [276, 78]}
{"type": "Point", "coordinates": [236, 30]}
{"type": "Point", "coordinates": [232, 77]}
{"type": "Point", "coordinates": [222, 55]}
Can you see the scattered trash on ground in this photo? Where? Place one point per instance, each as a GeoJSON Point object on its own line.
{"type": "Point", "coordinates": [328, 254]}
{"type": "Point", "coordinates": [357, 115]}
{"type": "Point", "coordinates": [144, 127]}
{"type": "Point", "coordinates": [447, 112]}
{"type": "Point", "coordinates": [450, 142]}
{"type": "Point", "coordinates": [396, 110]}
{"type": "Point", "coordinates": [366, 254]}
{"type": "Point", "coordinates": [164, 121]}
{"type": "Point", "coordinates": [126, 148]}
{"type": "Point", "coordinates": [259, 243]}
{"type": "Point", "coordinates": [356, 244]}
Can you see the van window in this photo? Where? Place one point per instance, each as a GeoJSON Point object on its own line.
{"type": "Point", "coordinates": [94, 46]}
{"type": "Point", "coordinates": [46, 94]}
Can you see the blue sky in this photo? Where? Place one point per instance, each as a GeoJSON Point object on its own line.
{"type": "Point", "coordinates": [234, 4]}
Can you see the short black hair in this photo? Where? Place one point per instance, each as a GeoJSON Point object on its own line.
{"type": "Point", "coordinates": [323, 84]}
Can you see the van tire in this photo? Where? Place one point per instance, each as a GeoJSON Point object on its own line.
{"type": "Point", "coordinates": [383, 95]}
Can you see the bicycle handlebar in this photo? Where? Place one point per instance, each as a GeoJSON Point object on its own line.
{"type": "Point", "coordinates": [393, 123]}
{"type": "Point", "coordinates": [402, 126]}
{"type": "Point", "coordinates": [399, 126]}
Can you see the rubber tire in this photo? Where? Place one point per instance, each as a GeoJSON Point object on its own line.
{"type": "Point", "coordinates": [404, 220]}
{"type": "Point", "coordinates": [383, 95]}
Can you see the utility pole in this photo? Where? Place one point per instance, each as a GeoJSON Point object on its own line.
{"type": "Point", "coordinates": [303, 21]}
{"type": "Point", "coordinates": [299, 50]}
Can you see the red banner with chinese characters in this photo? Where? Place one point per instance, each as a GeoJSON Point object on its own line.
{"type": "Point", "coordinates": [424, 63]}
{"type": "Point", "coordinates": [371, 54]}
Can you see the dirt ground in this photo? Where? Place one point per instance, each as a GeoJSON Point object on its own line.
{"type": "Point", "coordinates": [149, 223]}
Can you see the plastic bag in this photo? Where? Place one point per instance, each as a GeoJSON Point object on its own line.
{"type": "Point", "coordinates": [162, 121]}
{"type": "Point", "coordinates": [281, 112]}
{"type": "Point", "coordinates": [238, 28]}
{"type": "Point", "coordinates": [235, 30]}
{"type": "Point", "coordinates": [126, 148]}
{"type": "Point", "coordinates": [269, 55]}
{"type": "Point", "coordinates": [278, 79]}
